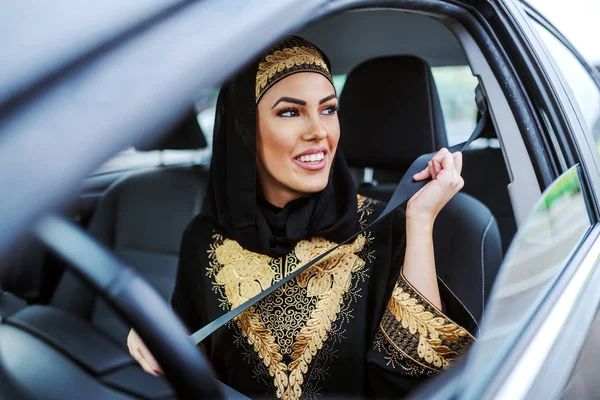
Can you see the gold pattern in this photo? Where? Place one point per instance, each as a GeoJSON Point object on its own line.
{"type": "Point", "coordinates": [244, 273]}
{"type": "Point", "coordinates": [288, 328]}
{"type": "Point", "coordinates": [440, 341]}
{"type": "Point", "coordinates": [283, 59]}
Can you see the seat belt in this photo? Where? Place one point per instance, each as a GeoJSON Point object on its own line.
{"type": "Point", "coordinates": [406, 188]}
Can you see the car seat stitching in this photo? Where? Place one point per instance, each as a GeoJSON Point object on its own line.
{"type": "Point", "coordinates": [489, 225]}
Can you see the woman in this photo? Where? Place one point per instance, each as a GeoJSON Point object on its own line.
{"type": "Point", "coordinates": [365, 321]}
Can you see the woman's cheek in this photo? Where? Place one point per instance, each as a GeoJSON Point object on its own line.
{"type": "Point", "coordinates": [334, 137]}
{"type": "Point", "coordinates": [280, 148]}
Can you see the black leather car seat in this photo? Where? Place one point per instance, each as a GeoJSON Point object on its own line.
{"type": "Point", "coordinates": [141, 218]}
{"type": "Point", "coordinates": [390, 114]}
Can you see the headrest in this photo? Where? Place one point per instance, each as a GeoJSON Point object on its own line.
{"type": "Point", "coordinates": [390, 113]}
{"type": "Point", "coordinates": [185, 135]}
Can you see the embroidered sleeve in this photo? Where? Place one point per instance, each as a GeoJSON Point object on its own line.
{"type": "Point", "coordinates": [415, 336]}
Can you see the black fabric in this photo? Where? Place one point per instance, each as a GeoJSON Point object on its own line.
{"type": "Point", "coordinates": [231, 202]}
{"type": "Point", "coordinates": [394, 101]}
{"type": "Point", "coordinates": [341, 368]}
{"type": "Point", "coordinates": [186, 135]}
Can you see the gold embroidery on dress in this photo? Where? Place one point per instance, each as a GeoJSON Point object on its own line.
{"type": "Point", "coordinates": [440, 341]}
{"type": "Point", "coordinates": [286, 58]}
{"type": "Point", "coordinates": [294, 322]}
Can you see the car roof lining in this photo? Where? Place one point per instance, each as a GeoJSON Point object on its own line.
{"type": "Point", "coordinates": [355, 36]}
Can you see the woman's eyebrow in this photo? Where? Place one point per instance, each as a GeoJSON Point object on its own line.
{"type": "Point", "coordinates": [323, 100]}
{"type": "Point", "coordinates": [289, 100]}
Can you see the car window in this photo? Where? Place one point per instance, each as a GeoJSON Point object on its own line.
{"type": "Point", "coordinates": [456, 88]}
{"type": "Point", "coordinates": [131, 158]}
{"type": "Point", "coordinates": [582, 85]}
{"type": "Point", "coordinates": [541, 250]}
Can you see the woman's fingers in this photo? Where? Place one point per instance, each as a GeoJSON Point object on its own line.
{"type": "Point", "coordinates": [442, 160]}
{"type": "Point", "coordinates": [437, 166]}
{"type": "Point", "coordinates": [440, 155]}
{"type": "Point", "coordinates": [425, 174]}
{"type": "Point", "coordinates": [448, 163]}
{"type": "Point", "coordinates": [152, 366]}
{"type": "Point", "coordinates": [458, 162]}
{"type": "Point", "coordinates": [432, 169]}
{"type": "Point", "coordinates": [142, 355]}
{"type": "Point", "coordinates": [141, 360]}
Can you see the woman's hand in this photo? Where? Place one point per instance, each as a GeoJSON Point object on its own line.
{"type": "Point", "coordinates": [142, 355]}
{"type": "Point", "coordinates": [444, 170]}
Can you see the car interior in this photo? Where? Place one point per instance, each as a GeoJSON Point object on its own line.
{"type": "Point", "coordinates": [389, 95]}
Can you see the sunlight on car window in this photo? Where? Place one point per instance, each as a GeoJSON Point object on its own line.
{"type": "Point", "coordinates": [580, 82]}
{"type": "Point", "coordinates": [456, 88]}
{"type": "Point", "coordinates": [131, 159]}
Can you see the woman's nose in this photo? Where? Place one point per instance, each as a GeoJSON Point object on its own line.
{"type": "Point", "coordinates": [315, 129]}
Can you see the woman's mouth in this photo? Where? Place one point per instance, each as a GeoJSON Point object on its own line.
{"type": "Point", "coordinates": [312, 160]}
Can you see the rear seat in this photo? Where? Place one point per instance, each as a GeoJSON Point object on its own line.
{"type": "Point", "coordinates": [141, 218]}
{"type": "Point", "coordinates": [486, 179]}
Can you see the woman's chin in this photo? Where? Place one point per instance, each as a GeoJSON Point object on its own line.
{"type": "Point", "coordinates": [312, 187]}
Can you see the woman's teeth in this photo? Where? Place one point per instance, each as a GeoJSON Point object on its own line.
{"type": "Point", "coordinates": [312, 158]}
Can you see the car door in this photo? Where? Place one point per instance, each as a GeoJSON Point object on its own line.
{"type": "Point", "coordinates": [546, 297]}
{"type": "Point", "coordinates": [569, 360]}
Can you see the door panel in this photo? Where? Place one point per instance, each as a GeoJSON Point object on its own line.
{"type": "Point", "coordinates": [531, 273]}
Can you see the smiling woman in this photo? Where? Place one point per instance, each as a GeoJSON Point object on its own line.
{"type": "Point", "coordinates": [311, 139]}
{"type": "Point", "coordinates": [367, 320]}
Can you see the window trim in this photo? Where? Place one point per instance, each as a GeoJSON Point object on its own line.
{"type": "Point", "coordinates": [547, 86]}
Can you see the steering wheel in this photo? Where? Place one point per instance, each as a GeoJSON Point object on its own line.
{"type": "Point", "coordinates": [137, 302]}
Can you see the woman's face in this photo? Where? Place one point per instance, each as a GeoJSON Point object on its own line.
{"type": "Point", "coordinates": [297, 135]}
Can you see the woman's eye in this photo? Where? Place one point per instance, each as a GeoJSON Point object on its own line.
{"type": "Point", "coordinates": [330, 110]}
{"type": "Point", "coordinates": [289, 112]}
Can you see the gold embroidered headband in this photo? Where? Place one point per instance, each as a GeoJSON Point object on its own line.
{"type": "Point", "coordinates": [292, 56]}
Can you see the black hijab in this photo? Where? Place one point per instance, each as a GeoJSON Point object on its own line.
{"type": "Point", "coordinates": [234, 204]}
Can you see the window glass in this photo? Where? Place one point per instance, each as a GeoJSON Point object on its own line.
{"type": "Point", "coordinates": [133, 159]}
{"type": "Point", "coordinates": [542, 248]}
{"type": "Point", "coordinates": [582, 85]}
{"type": "Point", "coordinates": [456, 89]}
